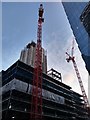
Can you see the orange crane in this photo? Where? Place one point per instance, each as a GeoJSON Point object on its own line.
{"type": "Point", "coordinates": [36, 100]}
{"type": "Point", "coordinates": [72, 58]}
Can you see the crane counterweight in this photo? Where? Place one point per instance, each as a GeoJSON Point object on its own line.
{"type": "Point", "coordinates": [41, 11]}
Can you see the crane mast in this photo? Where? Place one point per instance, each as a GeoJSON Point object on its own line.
{"type": "Point", "coordinates": [72, 58]}
{"type": "Point", "coordinates": [81, 84]}
{"type": "Point", "coordinates": [36, 100]}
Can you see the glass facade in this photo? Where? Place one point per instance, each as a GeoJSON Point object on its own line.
{"type": "Point", "coordinates": [74, 11]}
{"type": "Point", "coordinates": [85, 18]}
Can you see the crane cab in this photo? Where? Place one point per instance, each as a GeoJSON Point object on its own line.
{"type": "Point", "coordinates": [41, 10]}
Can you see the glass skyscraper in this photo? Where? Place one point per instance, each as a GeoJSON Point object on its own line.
{"type": "Point", "coordinates": [73, 11]}
{"type": "Point", "coordinates": [85, 18]}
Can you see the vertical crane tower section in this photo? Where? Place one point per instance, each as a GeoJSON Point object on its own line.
{"type": "Point", "coordinates": [72, 58]}
{"type": "Point", "coordinates": [36, 100]}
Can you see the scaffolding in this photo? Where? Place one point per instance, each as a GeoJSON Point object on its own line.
{"type": "Point", "coordinates": [54, 74]}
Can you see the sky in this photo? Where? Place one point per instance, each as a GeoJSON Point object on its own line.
{"type": "Point", "coordinates": [19, 27]}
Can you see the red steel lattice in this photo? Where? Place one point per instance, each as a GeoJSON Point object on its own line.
{"type": "Point", "coordinates": [72, 58]}
{"type": "Point", "coordinates": [36, 101]}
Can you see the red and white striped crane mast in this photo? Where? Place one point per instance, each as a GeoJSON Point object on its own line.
{"type": "Point", "coordinates": [72, 58]}
{"type": "Point", "coordinates": [36, 100]}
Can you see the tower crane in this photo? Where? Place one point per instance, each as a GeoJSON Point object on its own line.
{"type": "Point", "coordinates": [72, 58]}
{"type": "Point", "coordinates": [36, 100]}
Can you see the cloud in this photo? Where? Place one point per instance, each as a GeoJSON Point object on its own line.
{"type": "Point", "coordinates": [57, 39]}
{"type": "Point", "coordinates": [56, 59]}
{"type": "Point", "coordinates": [69, 78]}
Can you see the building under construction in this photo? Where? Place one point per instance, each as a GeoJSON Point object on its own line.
{"type": "Point", "coordinates": [59, 101]}
{"type": "Point", "coordinates": [28, 56]}
{"type": "Point", "coordinates": [29, 93]}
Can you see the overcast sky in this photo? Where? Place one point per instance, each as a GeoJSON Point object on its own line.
{"type": "Point", "coordinates": [19, 27]}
